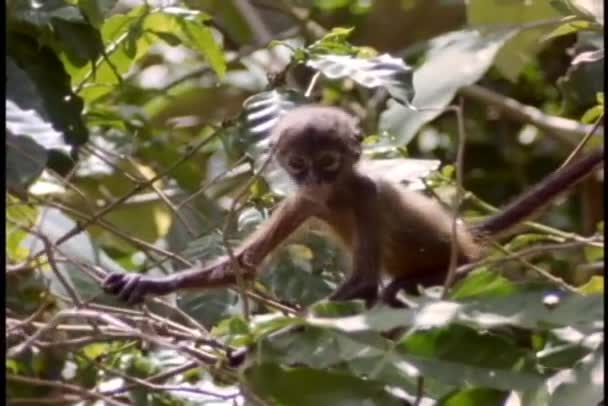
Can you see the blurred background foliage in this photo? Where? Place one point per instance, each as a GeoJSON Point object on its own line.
{"type": "Point", "coordinates": [132, 127]}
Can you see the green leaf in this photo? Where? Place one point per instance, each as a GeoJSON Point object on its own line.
{"type": "Point", "coordinates": [483, 283]}
{"type": "Point", "coordinates": [47, 91]}
{"type": "Point", "coordinates": [25, 160]}
{"type": "Point", "coordinates": [456, 343]}
{"type": "Point", "coordinates": [592, 114]}
{"type": "Point", "coordinates": [524, 309]}
{"type": "Point", "coordinates": [130, 37]}
{"type": "Point", "coordinates": [25, 112]}
{"type": "Point", "coordinates": [595, 286]}
{"type": "Point", "coordinates": [583, 81]}
{"type": "Point", "coordinates": [17, 214]}
{"type": "Point", "coordinates": [190, 27]}
{"type": "Point", "coordinates": [331, 5]}
{"type": "Point", "coordinates": [454, 60]}
{"type": "Point", "coordinates": [475, 396]}
{"type": "Point", "coordinates": [80, 42]}
{"type": "Point", "coordinates": [291, 279]}
{"type": "Point", "coordinates": [126, 45]}
{"type": "Point", "coordinates": [593, 253]}
{"type": "Point", "coordinates": [275, 384]}
{"type": "Point", "coordinates": [523, 47]}
{"type": "Point", "coordinates": [369, 353]}
{"type": "Point", "coordinates": [30, 136]}
{"type": "Point", "coordinates": [583, 384]}
{"type": "Point", "coordinates": [381, 71]}
{"type": "Point", "coordinates": [210, 307]}
{"type": "Point", "coordinates": [334, 42]}
{"type": "Point", "coordinates": [567, 28]}
{"type": "Point", "coordinates": [39, 15]}
{"type": "Point", "coordinates": [96, 10]}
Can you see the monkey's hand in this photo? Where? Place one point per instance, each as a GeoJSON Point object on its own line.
{"type": "Point", "coordinates": [132, 287]}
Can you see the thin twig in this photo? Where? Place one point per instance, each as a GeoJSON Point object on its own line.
{"type": "Point", "coordinates": [178, 214]}
{"type": "Point", "coordinates": [525, 253]}
{"type": "Point", "coordinates": [312, 84]}
{"type": "Point", "coordinates": [582, 143]}
{"type": "Point", "coordinates": [64, 386]}
{"type": "Point", "coordinates": [458, 198]}
{"type": "Point", "coordinates": [544, 273]}
{"type": "Point", "coordinates": [594, 242]}
{"type": "Point", "coordinates": [97, 216]}
{"type": "Point", "coordinates": [236, 265]}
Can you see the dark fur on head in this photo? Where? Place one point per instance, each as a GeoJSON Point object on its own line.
{"type": "Point", "coordinates": [311, 140]}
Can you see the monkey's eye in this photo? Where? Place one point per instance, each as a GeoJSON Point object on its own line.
{"type": "Point", "coordinates": [296, 164]}
{"type": "Point", "coordinates": [329, 162]}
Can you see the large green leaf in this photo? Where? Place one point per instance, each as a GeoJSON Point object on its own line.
{"type": "Point", "coordinates": [80, 42]}
{"type": "Point", "coordinates": [526, 309]}
{"type": "Point", "coordinates": [369, 353]}
{"type": "Point", "coordinates": [584, 79]}
{"type": "Point", "coordinates": [31, 134]}
{"type": "Point", "coordinates": [521, 49]}
{"type": "Point", "coordinates": [47, 88]}
{"type": "Point", "coordinates": [25, 159]}
{"type": "Point", "coordinates": [96, 10]}
{"type": "Point", "coordinates": [583, 384]}
{"type": "Point", "coordinates": [454, 60]}
{"type": "Point", "coordinates": [315, 387]}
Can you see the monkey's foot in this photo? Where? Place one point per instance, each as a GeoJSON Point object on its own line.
{"type": "Point", "coordinates": [356, 290]}
{"type": "Point", "coordinates": [133, 287]}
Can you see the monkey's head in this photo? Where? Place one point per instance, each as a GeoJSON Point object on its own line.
{"type": "Point", "coordinates": [317, 146]}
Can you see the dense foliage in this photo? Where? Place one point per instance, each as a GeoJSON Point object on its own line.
{"type": "Point", "coordinates": [136, 137]}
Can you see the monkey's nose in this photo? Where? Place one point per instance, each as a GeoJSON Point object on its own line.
{"type": "Point", "coordinates": [313, 179]}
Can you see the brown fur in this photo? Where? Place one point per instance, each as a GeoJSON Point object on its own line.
{"type": "Point", "coordinates": [387, 228]}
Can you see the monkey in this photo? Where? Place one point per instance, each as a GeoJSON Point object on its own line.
{"type": "Point", "coordinates": [388, 229]}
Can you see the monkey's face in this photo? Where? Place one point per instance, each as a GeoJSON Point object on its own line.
{"type": "Point", "coordinates": [314, 168]}
{"type": "Point", "coordinates": [317, 147]}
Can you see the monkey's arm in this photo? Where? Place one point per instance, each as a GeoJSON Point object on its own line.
{"type": "Point", "coordinates": [367, 255]}
{"type": "Point", "coordinates": [292, 212]}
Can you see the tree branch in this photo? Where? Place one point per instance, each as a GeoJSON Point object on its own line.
{"type": "Point", "coordinates": [565, 130]}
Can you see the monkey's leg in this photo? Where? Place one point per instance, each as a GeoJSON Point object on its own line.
{"type": "Point", "coordinates": [285, 220]}
{"type": "Point", "coordinates": [410, 283]}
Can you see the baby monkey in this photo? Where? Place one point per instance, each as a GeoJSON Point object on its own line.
{"type": "Point", "coordinates": [386, 227]}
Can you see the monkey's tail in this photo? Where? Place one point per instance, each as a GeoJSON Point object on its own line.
{"type": "Point", "coordinates": [542, 193]}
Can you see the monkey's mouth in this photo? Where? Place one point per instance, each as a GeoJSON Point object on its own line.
{"type": "Point", "coordinates": [316, 191]}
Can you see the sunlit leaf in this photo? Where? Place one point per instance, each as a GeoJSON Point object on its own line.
{"type": "Point", "coordinates": [594, 286]}
{"type": "Point", "coordinates": [263, 110]}
{"type": "Point", "coordinates": [454, 60]}
{"type": "Point", "coordinates": [383, 71]}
